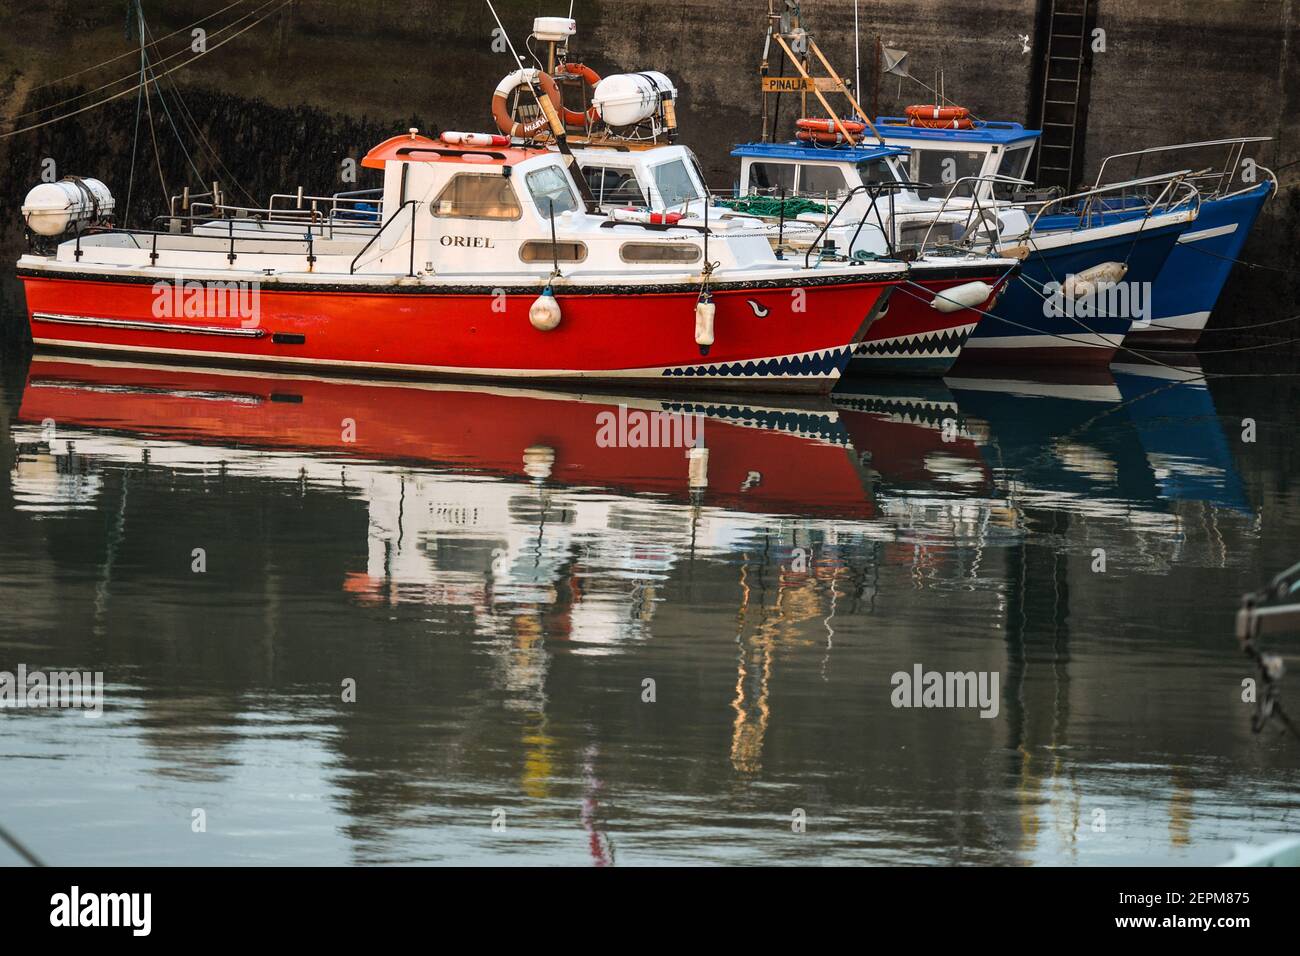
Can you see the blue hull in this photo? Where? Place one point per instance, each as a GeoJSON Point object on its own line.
{"type": "Point", "coordinates": [1197, 270]}
{"type": "Point", "coordinates": [1020, 330]}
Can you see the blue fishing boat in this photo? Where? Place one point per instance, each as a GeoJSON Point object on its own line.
{"type": "Point", "coordinates": [1091, 259]}
{"type": "Point", "coordinates": [1233, 193]}
{"type": "Point", "coordinates": [1232, 190]}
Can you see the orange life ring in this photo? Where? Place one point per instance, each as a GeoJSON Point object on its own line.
{"type": "Point", "coordinates": [937, 112]}
{"type": "Point", "coordinates": [573, 117]}
{"type": "Point", "coordinates": [810, 125]}
{"type": "Point", "coordinates": [826, 139]}
{"type": "Point", "coordinates": [963, 123]}
{"type": "Point", "coordinates": [501, 112]}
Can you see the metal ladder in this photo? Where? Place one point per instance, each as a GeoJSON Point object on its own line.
{"type": "Point", "coordinates": [1065, 75]}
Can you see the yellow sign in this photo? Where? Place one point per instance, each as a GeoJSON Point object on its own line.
{"type": "Point", "coordinates": [800, 84]}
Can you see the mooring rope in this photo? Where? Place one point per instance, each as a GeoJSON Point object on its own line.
{"type": "Point", "coordinates": [128, 91]}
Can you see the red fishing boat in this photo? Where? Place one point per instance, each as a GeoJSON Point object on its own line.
{"type": "Point", "coordinates": [482, 258]}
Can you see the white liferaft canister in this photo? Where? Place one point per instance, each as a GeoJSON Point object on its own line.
{"type": "Point", "coordinates": [50, 209]}
{"type": "Point", "coordinates": [627, 98]}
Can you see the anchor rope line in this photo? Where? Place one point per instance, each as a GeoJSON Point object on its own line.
{"type": "Point", "coordinates": [192, 125]}
{"type": "Point", "coordinates": [1253, 325]}
{"type": "Point", "coordinates": [180, 141]}
{"type": "Point", "coordinates": [1056, 335]}
{"type": "Point", "coordinates": [122, 56]}
{"type": "Point", "coordinates": [145, 83]}
{"type": "Point", "coordinates": [1145, 355]}
{"type": "Point", "coordinates": [1243, 262]}
{"type": "Point", "coordinates": [18, 848]}
{"type": "Point", "coordinates": [1275, 343]}
{"type": "Point", "coordinates": [122, 79]}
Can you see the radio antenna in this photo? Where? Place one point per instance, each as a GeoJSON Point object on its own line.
{"type": "Point", "coordinates": [561, 140]}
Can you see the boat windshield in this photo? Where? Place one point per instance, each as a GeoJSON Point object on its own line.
{"type": "Point", "coordinates": [1014, 162]}
{"type": "Point", "coordinates": [876, 171]}
{"type": "Point", "coordinates": [550, 190]}
{"type": "Point", "coordinates": [674, 183]}
{"type": "Point", "coordinates": [940, 168]}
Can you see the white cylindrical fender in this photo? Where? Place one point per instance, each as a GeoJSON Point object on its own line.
{"type": "Point", "coordinates": [544, 313]}
{"type": "Point", "coordinates": [705, 311]}
{"type": "Point", "coordinates": [1083, 283]}
{"type": "Point", "coordinates": [698, 469]}
{"type": "Point", "coordinates": [51, 209]}
{"type": "Point", "coordinates": [965, 296]}
{"type": "Point", "coordinates": [539, 461]}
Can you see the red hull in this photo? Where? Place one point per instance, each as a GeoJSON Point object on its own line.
{"type": "Point", "coordinates": [767, 338]}
{"type": "Point", "coordinates": [753, 466]}
{"type": "Point", "coordinates": [912, 338]}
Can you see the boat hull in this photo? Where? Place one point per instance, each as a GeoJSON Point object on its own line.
{"type": "Point", "coordinates": [1022, 329]}
{"type": "Point", "coordinates": [770, 335]}
{"type": "Point", "coordinates": [915, 339]}
{"type": "Point", "coordinates": [1193, 277]}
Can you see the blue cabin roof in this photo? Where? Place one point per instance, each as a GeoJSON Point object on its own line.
{"type": "Point", "coordinates": [809, 152]}
{"type": "Point", "coordinates": [984, 132]}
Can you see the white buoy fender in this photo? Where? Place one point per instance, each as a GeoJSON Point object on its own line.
{"type": "Point", "coordinates": [705, 310]}
{"type": "Point", "coordinates": [698, 468]}
{"type": "Point", "coordinates": [539, 461]}
{"type": "Point", "coordinates": [965, 296]}
{"type": "Point", "coordinates": [1083, 283]}
{"type": "Point", "coordinates": [544, 313]}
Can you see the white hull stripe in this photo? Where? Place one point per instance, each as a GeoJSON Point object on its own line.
{"type": "Point", "coordinates": [1193, 321]}
{"type": "Point", "coordinates": [135, 325]}
{"type": "Point", "coordinates": [1200, 234]}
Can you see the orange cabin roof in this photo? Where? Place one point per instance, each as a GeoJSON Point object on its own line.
{"type": "Point", "coordinates": [422, 149]}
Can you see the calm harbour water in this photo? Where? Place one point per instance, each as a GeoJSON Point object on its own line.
{"type": "Point", "coordinates": [500, 586]}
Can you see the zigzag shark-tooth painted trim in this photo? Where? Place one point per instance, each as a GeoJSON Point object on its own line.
{"type": "Point", "coordinates": [819, 364]}
{"type": "Point", "coordinates": [942, 344]}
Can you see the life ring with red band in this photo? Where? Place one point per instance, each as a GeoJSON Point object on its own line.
{"type": "Point", "coordinates": [591, 78]}
{"type": "Point", "coordinates": [501, 111]}
{"type": "Point", "coordinates": [939, 117]}
{"type": "Point", "coordinates": [817, 125]}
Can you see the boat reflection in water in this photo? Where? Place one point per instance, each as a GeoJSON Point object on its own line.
{"type": "Point", "coordinates": [505, 569]}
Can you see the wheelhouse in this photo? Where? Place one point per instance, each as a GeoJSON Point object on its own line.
{"type": "Point", "coordinates": [664, 179]}
{"type": "Point", "coordinates": [939, 157]}
{"type": "Point", "coordinates": [826, 173]}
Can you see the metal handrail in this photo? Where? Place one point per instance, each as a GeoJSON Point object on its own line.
{"type": "Point", "coordinates": [974, 199]}
{"type": "Point", "coordinates": [1173, 182]}
{"type": "Point", "coordinates": [1239, 142]}
{"type": "Point", "coordinates": [352, 268]}
{"type": "Point", "coordinates": [874, 191]}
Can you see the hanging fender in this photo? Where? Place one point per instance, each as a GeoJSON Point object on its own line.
{"type": "Point", "coordinates": [591, 78]}
{"type": "Point", "coordinates": [501, 111]}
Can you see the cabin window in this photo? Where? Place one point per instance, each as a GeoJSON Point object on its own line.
{"type": "Point", "coordinates": [771, 177]}
{"type": "Point", "coordinates": [822, 182]}
{"type": "Point", "coordinates": [877, 171]}
{"type": "Point", "coordinates": [674, 184]}
{"type": "Point", "coordinates": [543, 250]}
{"type": "Point", "coordinates": [941, 168]}
{"type": "Point", "coordinates": [477, 196]}
{"type": "Point", "coordinates": [550, 190]}
{"type": "Point", "coordinates": [1014, 163]}
{"type": "Point", "coordinates": [617, 187]}
{"type": "Point", "coordinates": [660, 252]}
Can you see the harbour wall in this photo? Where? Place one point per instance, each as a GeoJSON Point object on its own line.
{"type": "Point", "coordinates": [319, 81]}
